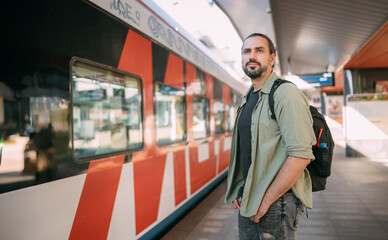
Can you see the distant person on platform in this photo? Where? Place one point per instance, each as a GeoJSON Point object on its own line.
{"type": "Point", "coordinates": [267, 180]}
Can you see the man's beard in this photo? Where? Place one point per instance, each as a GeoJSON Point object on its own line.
{"type": "Point", "coordinates": [254, 73]}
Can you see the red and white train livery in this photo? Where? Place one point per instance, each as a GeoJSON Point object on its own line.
{"type": "Point", "coordinates": [113, 123]}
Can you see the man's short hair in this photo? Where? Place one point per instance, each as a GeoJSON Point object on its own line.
{"type": "Point", "coordinates": [271, 46]}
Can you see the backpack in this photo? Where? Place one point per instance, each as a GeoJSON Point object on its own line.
{"type": "Point", "coordinates": [323, 149]}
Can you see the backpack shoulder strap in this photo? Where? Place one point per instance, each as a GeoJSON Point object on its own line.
{"type": "Point", "coordinates": [271, 102]}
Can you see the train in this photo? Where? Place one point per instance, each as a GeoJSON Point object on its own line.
{"type": "Point", "coordinates": [114, 122]}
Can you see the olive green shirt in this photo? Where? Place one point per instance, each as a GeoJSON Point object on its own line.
{"type": "Point", "coordinates": [291, 134]}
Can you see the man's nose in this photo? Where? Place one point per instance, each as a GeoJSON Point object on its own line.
{"type": "Point", "coordinates": [252, 56]}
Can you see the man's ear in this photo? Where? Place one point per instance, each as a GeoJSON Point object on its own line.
{"type": "Point", "coordinates": [273, 57]}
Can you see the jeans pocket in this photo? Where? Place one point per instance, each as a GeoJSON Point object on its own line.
{"type": "Point", "coordinates": [299, 210]}
{"type": "Point", "coordinates": [270, 224]}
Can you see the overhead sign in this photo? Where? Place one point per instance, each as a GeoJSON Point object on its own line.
{"type": "Point", "coordinates": [319, 79]}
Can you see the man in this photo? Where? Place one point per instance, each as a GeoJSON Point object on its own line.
{"type": "Point", "coordinates": [267, 179]}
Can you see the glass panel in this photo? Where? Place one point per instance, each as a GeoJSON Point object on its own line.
{"type": "Point", "coordinates": [170, 114]}
{"type": "Point", "coordinates": [218, 110]}
{"type": "Point", "coordinates": [106, 111]}
{"type": "Point", "coordinates": [201, 117]}
{"type": "Point", "coordinates": [366, 125]}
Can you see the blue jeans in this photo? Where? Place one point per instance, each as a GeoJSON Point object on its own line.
{"type": "Point", "coordinates": [279, 223]}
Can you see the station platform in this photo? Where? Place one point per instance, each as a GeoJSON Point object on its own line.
{"type": "Point", "coordinates": [354, 206]}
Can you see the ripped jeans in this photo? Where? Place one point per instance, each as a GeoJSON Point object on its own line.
{"type": "Point", "coordinates": [279, 223]}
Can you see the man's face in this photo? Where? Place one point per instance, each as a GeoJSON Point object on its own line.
{"type": "Point", "coordinates": [256, 58]}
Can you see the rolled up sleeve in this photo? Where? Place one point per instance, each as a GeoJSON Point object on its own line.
{"type": "Point", "coordinates": [295, 121]}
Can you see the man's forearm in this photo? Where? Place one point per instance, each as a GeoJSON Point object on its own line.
{"type": "Point", "coordinates": [289, 173]}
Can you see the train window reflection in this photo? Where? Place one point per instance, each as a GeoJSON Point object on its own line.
{"type": "Point", "coordinates": [219, 117]}
{"type": "Point", "coordinates": [106, 116]}
{"type": "Point", "coordinates": [201, 118]}
{"type": "Point", "coordinates": [170, 114]}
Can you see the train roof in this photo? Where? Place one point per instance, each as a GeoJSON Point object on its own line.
{"type": "Point", "coordinates": [152, 21]}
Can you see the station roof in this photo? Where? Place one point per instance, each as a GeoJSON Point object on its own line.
{"type": "Point", "coordinates": [312, 35]}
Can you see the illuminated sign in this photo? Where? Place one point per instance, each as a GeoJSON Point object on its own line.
{"type": "Point", "coordinates": [319, 79]}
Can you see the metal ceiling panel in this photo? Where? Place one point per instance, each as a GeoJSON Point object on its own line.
{"type": "Point", "coordinates": [312, 34]}
{"type": "Point", "coordinates": [248, 16]}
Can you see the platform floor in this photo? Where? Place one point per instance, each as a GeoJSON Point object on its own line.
{"type": "Point", "coordinates": [354, 206]}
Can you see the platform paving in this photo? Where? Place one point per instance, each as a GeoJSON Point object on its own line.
{"type": "Point", "coordinates": [353, 207]}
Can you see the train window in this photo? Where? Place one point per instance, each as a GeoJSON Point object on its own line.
{"type": "Point", "coordinates": [219, 117]}
{"type": "Point", "coordinates": [201, 117]}
{"type": "Point", "coordinates": [106, 110]}
{"type": "Point", "coordinates": [200, 83]}
{"type": "Point", "coordinates": [231, 110]}
{"type": "Point", "coordinates": [1, 147]}
{"type": "Point", "coordinates": [230, 117]}
{"type": "Point", "coordinates": [169, 114]}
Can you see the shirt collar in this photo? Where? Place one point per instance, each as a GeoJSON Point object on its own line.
{"type": "Point", "coordinates": [268, 84]}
